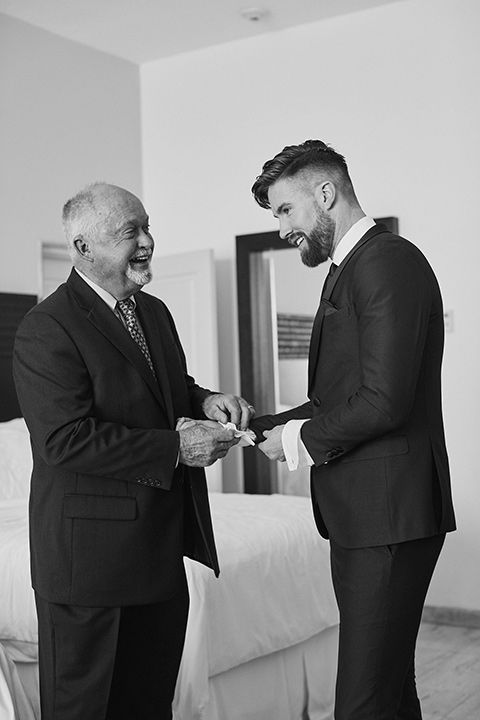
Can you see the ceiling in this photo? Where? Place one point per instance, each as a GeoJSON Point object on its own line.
{"type": "Point", "coordinates": [145, 30]}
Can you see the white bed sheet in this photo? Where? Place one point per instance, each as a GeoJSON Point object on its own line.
{"type": "Point", "coordinates": [18, 622]}
{"type": "Point", "coordinates": [15, 460]}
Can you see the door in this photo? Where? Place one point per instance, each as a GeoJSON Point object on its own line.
{"type": "Point", "coordinates": [186, 284]}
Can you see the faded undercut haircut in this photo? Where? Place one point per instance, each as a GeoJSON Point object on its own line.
{"type": "Point", "coordinates": [312, 156]}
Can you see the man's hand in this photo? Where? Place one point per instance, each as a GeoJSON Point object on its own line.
{"type": "Point", "coordinates": [203, 442]}
{"type": "Point", "coordinates": [272, 447]}
{"type": "Point", "coordinates": [228, 408]}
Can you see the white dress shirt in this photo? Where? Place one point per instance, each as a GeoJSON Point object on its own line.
{"type": "Point", "coordinates": [296, 454]}
{"type": "Point", "coordinates": [107, 298]}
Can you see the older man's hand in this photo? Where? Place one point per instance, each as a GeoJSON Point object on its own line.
{"type": "Point", "coordinates": [228, 408]}
{"type": "Point", "coordinates": [203, 442]}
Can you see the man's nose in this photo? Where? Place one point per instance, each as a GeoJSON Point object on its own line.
{"type": "Point", "coordinates": [145, 239]}
{"type": "Point", "coordinates": [284, 230]}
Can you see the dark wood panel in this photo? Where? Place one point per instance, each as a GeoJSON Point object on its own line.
{"type": "Point", "coordinates": [13, 308]}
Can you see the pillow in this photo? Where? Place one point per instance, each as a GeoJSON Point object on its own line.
{"type": "Point", "coordinates": [15, 460]}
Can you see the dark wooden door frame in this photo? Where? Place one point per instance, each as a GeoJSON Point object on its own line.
{"type": "Point", "coordinates": [13, 307]}
{"type": "Point", "coordinates": [259, 472]}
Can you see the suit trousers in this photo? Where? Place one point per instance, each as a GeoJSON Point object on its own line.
{"type": "Point", "coordinates": [114, 663]}
{"type": "Point", "coordinates": [380, 593]}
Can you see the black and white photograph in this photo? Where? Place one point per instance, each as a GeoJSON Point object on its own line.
{"type": "Point", "coordinates": [239, 350]}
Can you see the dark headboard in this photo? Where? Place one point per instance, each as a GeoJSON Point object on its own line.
{"type": "Point", "coordinates": [12, 309]}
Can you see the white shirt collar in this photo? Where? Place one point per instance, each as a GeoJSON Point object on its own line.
{"type": "Point", "coordinates": [351, 237]}
{"type": "Point", "coordinates": [106, 297]}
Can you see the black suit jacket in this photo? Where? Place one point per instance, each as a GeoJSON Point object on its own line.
{"type": "Point", "coordinates": [110, 515]}
{"type": "Point", "coordinates": [375, 428]}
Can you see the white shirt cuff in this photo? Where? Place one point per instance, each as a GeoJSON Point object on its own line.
{"type": "Point", "coordinates": [296, 454]}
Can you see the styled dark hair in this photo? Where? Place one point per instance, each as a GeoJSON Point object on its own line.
{"type": "Point", "coordinates": [312, 155]}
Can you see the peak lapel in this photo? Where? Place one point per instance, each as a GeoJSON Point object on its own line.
{"type": "Point", "coordinates": [325, 300]}
{"type": "Point", "coordinates": [330, 285]}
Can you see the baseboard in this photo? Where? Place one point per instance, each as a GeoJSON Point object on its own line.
{"type": "Point", "coordinates": [451, 616]}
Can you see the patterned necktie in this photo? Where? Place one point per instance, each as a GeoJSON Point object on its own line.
{"type": "Point", "coordinates": [127, 309]}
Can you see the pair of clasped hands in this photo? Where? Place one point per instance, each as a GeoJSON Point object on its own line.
{"type": "Point", "coordinates": [202, 442]}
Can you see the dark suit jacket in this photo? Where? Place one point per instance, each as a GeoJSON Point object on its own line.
{"type": "Point", "coordinates": [375, 428]}
{"type": "Point", "coordinates": [110, 515]}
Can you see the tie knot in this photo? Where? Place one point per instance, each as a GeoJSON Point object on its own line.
{"type": "Point", "coordinates": [126, 307]}
{"type": "Point", "coordinates": [332, 269]}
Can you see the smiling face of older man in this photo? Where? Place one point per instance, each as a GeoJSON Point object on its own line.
{"type": "Point", "coordinates": [110, 240]}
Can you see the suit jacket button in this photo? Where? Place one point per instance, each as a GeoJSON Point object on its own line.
{"type": "Point", "coordinates": [317, 402]}
{"type": "Point", "coordinates": [331, 454]}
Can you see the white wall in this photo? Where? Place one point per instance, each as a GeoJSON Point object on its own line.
{"type": "Point", "coordinates": [396, 90]}
{"type": "Point", "coordinates": [69, 115]}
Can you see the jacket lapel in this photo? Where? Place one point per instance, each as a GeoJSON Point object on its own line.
{"type": "Point", "coordinates": [315, 343]}
{"type": "Point", "coordinates": [155, 346]}
{"type": "Point", "coordinates": [375, 230]}
{"type": "Point", "coordinates": [325, 303]}
{"type": "Point", "coordinates": [102, 318]}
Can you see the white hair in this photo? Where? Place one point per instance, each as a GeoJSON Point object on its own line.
{"type": "Point", "coordinates": [79, 215]}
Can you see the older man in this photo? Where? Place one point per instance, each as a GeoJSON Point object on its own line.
{"type": "Point", "coordinates": [118, 493]}
{"type": "Point", "coordinates": [372, 429]}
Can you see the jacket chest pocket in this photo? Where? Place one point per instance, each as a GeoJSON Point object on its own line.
{"type": "Point", "coordinates": [340, 333]}
{"type": "Point", "coordinates": [334, 314]}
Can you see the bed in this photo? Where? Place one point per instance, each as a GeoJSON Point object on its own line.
{"type": "Point", "coordinates": [261, 639]}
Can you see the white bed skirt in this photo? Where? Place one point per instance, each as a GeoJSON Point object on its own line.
{"type": "Point", "coordinates": [297, 683]}
{"type": "Point", "coordinates": [293, 684]}
{"type": "Point", "coordinates": [18, 689]}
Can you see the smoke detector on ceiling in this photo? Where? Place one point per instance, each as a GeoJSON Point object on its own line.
{"type": "Point", "coordinates": [253, 14]}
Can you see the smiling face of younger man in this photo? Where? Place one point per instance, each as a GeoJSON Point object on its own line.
{"type": "Point", "coordinates": [302, 221]}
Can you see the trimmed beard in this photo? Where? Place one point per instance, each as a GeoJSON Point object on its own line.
{"type": "Point", "coordinates": [139, 277]}
{"type": "Point", "coordinates": [319, 241]}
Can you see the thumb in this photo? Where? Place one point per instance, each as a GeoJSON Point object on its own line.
{"type": "Point", "coordinates": [218, 415]}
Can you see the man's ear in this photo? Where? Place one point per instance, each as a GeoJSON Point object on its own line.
{"type": "Point", "coordinates": [325, 193]}
{"type": "Point", "coordinates": [83, 248]}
